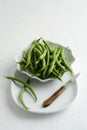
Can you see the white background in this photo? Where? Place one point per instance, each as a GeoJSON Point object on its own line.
{"type": "Point", "coordinates": [63, 21]}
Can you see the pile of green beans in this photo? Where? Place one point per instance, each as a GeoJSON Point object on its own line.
{"type": "Point", "coordinates": [26, 86]}
{"type": "Point", "coordinates": [45, 61]}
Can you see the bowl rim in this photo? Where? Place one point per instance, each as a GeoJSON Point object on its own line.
{"type": "Point", "coordinates": [19, 56]}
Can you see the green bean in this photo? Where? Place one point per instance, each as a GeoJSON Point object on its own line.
{"type": "Point", "coordinates": [21, 97]}
{"type": "Point", "coordinates": [38, 39]}
{"type": "Point", "coordinates": [62, 67]}
{"type": "Point", "coordinates": [39, 53]}
{"type": "Point", "coordinates": [22, 65]}
{"type": "Point", "coordinates": [56, 75]}
{"type": "Point", "coordinates": [38, 74]}
{"type": "Point", "coordinates": [53, 60]}
{"type": "Point", "coordinates": [25, 84]}
{"type": "Point", "coordinates": [58, 61]}
{"type": "Point", "coordinates": [57, 72]}
{"type": "Point", "coordinates": [46, 43]}
{"type": "Point", "coordinates": [35, 59]}
{"type": "Point", "coordinates": [39, 47]}
{"type": "Point", "coordinates": [29, 54]}
{"type": "Point", "coordinates": [41, 56]}
{"type": "Point", "coordinates": [43, 66]}
{"type": "Point", "coordinates": [64, 61]}
{"type": "Point", "coordinates": [47, 60]}
{"type": "Point", "coordinates": [31, 66]}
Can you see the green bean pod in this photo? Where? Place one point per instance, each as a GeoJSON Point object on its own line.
{"type": "Point", "coordinates": [46, 43]}
{"type": "Point", "coordinates": [41, 56]}
{"type": "Point", "coordinates": [21, 98]}
{"type": "Point", "coordinates": [25, 84]}
{"type": "Point", "coordinates": [56, 75]}
{"type": "Point", "coordinates": [62, 67]}
{"type": "Point", "coordinates": [54, 58]}
{"type": "Point", "coordinates": [43, 65]}
{"type": "Point", "coordinates": [64, 61]}
{"type": "Point", "coordinates": [29, 54]}
{"type": "Point", "coordinates": [47, 62]}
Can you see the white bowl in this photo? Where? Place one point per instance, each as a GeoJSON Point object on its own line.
{"type": "Point", "coordinates": [18, 58]}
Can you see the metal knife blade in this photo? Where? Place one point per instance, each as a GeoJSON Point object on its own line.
{"type": "Point", "coordinates": [72, 78]}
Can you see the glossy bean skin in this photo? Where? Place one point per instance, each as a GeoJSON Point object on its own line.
{"type": "Point", "coordinates": [42, 60]}
{"type": "Point", "coordinates": [25, 84]}
{"type": "Point", "coordinates": [64, 61]}
{"type": "Point", "coordinates": [54, 58]}
{"type": "Point", "coordinates": [21, 98]}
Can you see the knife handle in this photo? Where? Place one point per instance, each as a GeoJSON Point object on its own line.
{"type": "Point", "coordinates": [48, 101]}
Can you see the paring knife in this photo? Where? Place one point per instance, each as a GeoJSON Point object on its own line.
{"type": "Point", "coordinates": [48, 101]}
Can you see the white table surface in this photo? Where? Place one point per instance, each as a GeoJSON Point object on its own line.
{"type": "Point", "coordinates": [63, 21]}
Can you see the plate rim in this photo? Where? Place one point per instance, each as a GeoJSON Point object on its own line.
{"type": "Point", "coordinates": [46, 112]}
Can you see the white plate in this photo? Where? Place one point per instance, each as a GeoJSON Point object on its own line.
{"type": "Point", "coordinates": [43, 91]}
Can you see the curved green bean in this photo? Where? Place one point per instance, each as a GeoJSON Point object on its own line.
{"type": "Point", "coordinates": [64, 61]}
{"type": "Point", "coordinates": [25, 84]}
{"type": "Point", "coordinates": [39, 47]}
{"type": "Point", "coordinates": [43, 65]}
{"type": "Point", "coordinates": [21, 98]}
{"type": "Point", "coordinates": [62, 67]}
{"type": "Point", "coordinates": [38, 53]}
{"type": "Point", "coordinates": [29, 54]}
{"type": "Point", "coordinates": [55, 55]}
{"type": "Point", "coordinates": [47, 62]}
{"type": "Point", "coordinates": [46, 43]}
{"type": "Point", "coordinates": [41, 56]}
{"type": "Point", "coordinates": [56, 75]}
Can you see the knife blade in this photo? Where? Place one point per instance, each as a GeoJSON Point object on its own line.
{"type": "Point", "coordinates": [57, 93]}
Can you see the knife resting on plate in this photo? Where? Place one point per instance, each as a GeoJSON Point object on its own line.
{"type": "Point", "coordinates": [48, 101]}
